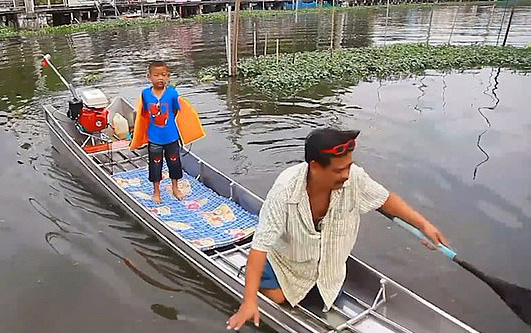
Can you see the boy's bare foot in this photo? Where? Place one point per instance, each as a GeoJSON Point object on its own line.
{"type": "Point", "coordinates": [177, 193]}
{"type": "Point", "coordinates": [156, 198]}
{"type": "Point", "coordinates": [175, 189]}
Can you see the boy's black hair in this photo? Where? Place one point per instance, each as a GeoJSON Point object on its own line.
{"type": "Point", "coordinates": [325, 138]}
{"type": "Point", "coordinates": [157, 63]}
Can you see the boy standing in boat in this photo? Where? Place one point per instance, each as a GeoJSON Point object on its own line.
{"type": "Point", "coordinates": [161, 103]}
{"type": "Point", "coordinates": [309, 223]}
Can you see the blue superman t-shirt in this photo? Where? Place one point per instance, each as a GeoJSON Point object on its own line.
{"type": "Point", "coordinates": [162, 128]}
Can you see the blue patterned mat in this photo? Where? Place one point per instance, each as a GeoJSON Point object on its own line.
{"type": "Point", "coordinates": [204, 218]}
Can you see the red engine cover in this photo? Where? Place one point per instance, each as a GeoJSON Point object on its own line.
{"type": "Point", "coordinates": [93, 120]}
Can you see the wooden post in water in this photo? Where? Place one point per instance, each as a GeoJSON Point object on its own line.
{"type": "Point", "coordinates": [386, 21]}
{"type": "Point", "coordinates": [278, 49]}
{"type": "Point", "coordinates": [235, 33]}
{"type": "Point", "coordinates": [332, 29]}
{"type": "Point", "coordinates": [296, 10]}
{"type": "Point", "coordinates": [508, 25]}
{"type": "Point", "coordinates": [488, 23]}
{"type": "Point", "coordinates": [228, 43]}
{"type": "Point", "coordinates": [341, 30]}
{"type": "Point", "coordinates": [502, 21]}
{"type": "Point", "coordinates": [453, 24]}
{"type": "Point", "coordinates": [429, 27]}
{"type": "Point", "coordinates": [227, 53]}
{"type": "Point", "coordinates": [254, 39]}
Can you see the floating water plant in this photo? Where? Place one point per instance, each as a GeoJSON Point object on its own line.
{"type": "Point", "coordinates": [87, 26]}
{"type": "Point", "coordinates": [91, 78]}
{"type": "Point", "coordinates": [299, 71]}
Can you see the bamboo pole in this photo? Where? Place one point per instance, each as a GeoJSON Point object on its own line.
{"type": "Point", "coordinates": [228, 43]}
{"type": "Point", "coordinates": [508, 26]}
{"type": "Point", "coordinates": [488, 23]}
{"type": "Point", "coordinates": [341, 31]}
{"type": "Point", "coordinates": [227, 53]}
{"type": "Point", "coordinates": [235, 33]}
{"type": "Point", "coordinates": [429, 27]}
{"type": "Point", "coordinates": [386, 21]}
{"type": "Point", "coordinates": [254, 40]}
{"type": "Point", "coordinates": [332, 29]}
{"type": "Point", "coordinates": [296, 11]}
{"type": "Point", "coordinates": [278, 49]}
{"type": "Point", "coordinates": [453, 24]}
{"type": "Point", "coordinates": [502, 21]}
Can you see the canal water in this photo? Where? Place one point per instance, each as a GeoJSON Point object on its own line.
{"type": "Point", "coordinates": [455, 145]}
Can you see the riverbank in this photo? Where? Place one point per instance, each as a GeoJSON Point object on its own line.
{"type": "Point", "coordinates": [292, 73]}
{"type": "Point", "coordinates": [7, 32]}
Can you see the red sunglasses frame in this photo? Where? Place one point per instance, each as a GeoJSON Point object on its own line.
{"type": "Point", "coordinates": [340, 149]}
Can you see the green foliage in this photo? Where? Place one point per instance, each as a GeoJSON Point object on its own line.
{"type": "Point", "coordinates": [7, 32]}
{"type": "Point", "coordinates": [222, 16]}
{"type": "Point", "coordinates": [86, 26]}
{"type": "Point", "coordinates": [299, 71]}
{"type": "Point", "coordinates": [91, 78]}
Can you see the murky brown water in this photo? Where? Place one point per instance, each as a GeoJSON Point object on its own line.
{"type": "Point", "coordinates": [454, 145]}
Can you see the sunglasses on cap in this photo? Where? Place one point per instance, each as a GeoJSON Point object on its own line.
{"type": "Point", "coordinates": [340, 149]}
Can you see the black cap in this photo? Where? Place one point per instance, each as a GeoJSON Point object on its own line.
{"type": "Point", "coordinates": [325, 138]}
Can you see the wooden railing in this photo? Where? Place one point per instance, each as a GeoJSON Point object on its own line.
{"type": "Point", "coordinates": [7, 4]}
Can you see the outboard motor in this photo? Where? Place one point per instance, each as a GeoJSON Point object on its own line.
{"type": "Point", "coordinates": [94, 115]}
{"type": "Point", "coordinates": [88, 108]}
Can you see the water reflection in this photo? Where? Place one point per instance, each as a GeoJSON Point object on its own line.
{"type": "Point", "coordinates": [481, 110]}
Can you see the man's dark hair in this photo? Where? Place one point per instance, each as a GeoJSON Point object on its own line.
{"type": "Point", "coordinates": [325, 138]}
{"type": "Point", "coordinates": [157, 63]}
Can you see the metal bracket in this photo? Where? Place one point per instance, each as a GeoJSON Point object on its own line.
{"type": "Point", "coordinates": [379, 299]}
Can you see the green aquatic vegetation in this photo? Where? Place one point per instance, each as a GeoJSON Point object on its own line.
{"type": "Point", "coordinates": [222, 16]}
{"type": "Point", "coordinates": [81, 27]}
{"type": "Point", "coordinates": [299, 71]}
{"type": "Point", "coordinates": [7, 32]}
{"type": "Point", "coordinates": [91, 78]}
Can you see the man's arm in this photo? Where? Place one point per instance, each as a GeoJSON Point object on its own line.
{"type": "Point", "coordinates": [249, 308]}
{"type": "Point", "coordinates": [272, 223]}
{"type": "Point", "coordinates": [396, 206]}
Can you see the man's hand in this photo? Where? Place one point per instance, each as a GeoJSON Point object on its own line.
{"type": "Point", "coordinates": [246, 312]}
{"type": "Point", "coordinates": [434, 235]}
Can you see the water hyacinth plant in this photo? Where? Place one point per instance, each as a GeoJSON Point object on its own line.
{"type": "Point", "coordinates": [203, 18]}
{"type": "Point", "coordinates": [91, 78]}
{"type": "Point", "coordinates": [299, 71]}
{"type": "Point", "coordinates": [86, 26]}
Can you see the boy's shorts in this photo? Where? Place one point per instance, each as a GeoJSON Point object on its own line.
{"type": "Point", "coordinates": [269, 280]}
{"type": "Point", "coordinates": [173, 160]}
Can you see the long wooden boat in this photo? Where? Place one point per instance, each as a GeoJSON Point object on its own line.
{"type": "Point", "coordinates": [370, 301]}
